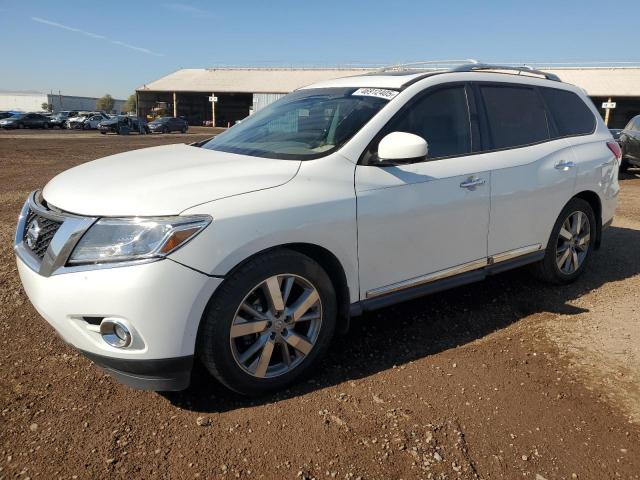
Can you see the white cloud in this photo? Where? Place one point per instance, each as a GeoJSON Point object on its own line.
{"type": "Point", "coordinates": [96, 36]}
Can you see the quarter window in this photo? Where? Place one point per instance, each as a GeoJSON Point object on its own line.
{"type": "Point", "coordinates": [441, 118]}
{"type": "Point", "coordinates": [571, 115]}
{"type": "Point", "coordinates": [516, 116]}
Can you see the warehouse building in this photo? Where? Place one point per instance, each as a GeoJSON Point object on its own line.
{"type": "Point", "coordinates": [31, 101]}
{"type": "Point", "coordinates": [226, 95]}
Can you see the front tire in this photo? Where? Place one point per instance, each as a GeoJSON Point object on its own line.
{"type": "Point", "coordinates": [268, 323]}
{"type": "Point", "coordinates": [570, 245]}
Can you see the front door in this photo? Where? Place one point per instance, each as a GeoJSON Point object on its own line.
{"type": "Point", "coordinates": [426, 217]}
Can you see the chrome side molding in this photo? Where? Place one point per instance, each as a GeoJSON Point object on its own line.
{"type": "Point", "coordinates": [450, 272]}
{"type": "Point", "coordinates": [504, 256]}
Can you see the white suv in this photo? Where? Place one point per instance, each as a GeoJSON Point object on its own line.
{"type": "Point", "coordinates": [251, 250]}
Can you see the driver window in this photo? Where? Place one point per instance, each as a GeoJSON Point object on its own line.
{"type": "Point", "coordinates": [441, 118]}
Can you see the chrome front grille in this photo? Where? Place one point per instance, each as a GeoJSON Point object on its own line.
{"type": "Point", "coordinates": [39, 232]}
{"type": "Point", "coordinates": [45, 238]}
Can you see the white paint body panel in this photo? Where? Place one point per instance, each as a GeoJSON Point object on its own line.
{"type": "Point", "coordinates": [162, 180]}
{"type": "Point", "coordinates": [316, 207]}
{"type": "Point", "coordinates": [161, 302]}
{"type": "Point", "coordinates": [416, 219]}
{"type": "Point", "coordinates": [527, 193]}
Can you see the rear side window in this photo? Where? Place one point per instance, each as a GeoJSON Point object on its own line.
{"type": "Point", "coordinates": [516, 116]}
{"type": "Point", "coordinates": [570, 114]}
{"type": "Point", "coordinates": [442, 119]}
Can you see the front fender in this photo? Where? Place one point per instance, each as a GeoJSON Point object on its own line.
{"type": "Point", "coordinates": [317, 207]}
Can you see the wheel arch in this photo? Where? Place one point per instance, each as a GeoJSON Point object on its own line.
{"type": "Point", "coordinates": [328, 261]}
{"type": "Point", "coordinates": [593, 199]}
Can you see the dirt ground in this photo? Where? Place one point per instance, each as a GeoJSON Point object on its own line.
{"type": "Point", "coordinates": [507, 378]}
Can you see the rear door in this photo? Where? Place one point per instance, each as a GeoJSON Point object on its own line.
{"type": "Point", "coordinates": [428, 219]}
{"type": "Point", "coordinates": [532, 174]}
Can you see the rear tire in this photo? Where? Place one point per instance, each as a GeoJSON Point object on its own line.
{"type": "Point", "coordinates": [570, 245]}
{"type": "Point", "coordinates": [280, 346]}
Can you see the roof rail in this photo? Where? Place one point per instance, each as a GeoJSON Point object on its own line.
{"type": "Point", "coordinates": [446, 64]}
{"type": "Point", "coordinates": [524, 68]}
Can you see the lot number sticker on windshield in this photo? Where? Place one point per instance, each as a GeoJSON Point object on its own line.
{"type": "Point", "coordinates": [376, 92]}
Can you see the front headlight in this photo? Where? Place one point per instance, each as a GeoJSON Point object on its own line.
{"type": "Point", "coordinates": [127, 239]}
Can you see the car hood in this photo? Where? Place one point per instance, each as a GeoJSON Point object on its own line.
{"type": "Point", "coordinates": [162, 180]}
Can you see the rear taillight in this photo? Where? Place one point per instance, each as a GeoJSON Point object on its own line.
{"type": "Point", "coordinates": [615, 148]}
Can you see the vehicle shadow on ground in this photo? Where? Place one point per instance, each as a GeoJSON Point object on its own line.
{"type": "Point", "coordinates": [412, 330]}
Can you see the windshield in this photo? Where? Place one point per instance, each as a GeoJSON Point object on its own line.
{"type": "Point", "coordinates": [161, 120]}
{"type": "Point", "coordinates": [303, 125]}
{"type": "Point", "coordinates": [17, 116]}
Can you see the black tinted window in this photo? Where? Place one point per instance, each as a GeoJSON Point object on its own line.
{"type": "Point", "coordinates": [516, 116]}
{"type": "Point", "coordinates": [442, 119]}
{"type": "Point", "coordinates": [570, 114]}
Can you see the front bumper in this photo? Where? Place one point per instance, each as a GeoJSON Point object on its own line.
{"type": "Point", "coordinates": [160, 302]}
{"type": "Point", "coordinates": [165, 375]}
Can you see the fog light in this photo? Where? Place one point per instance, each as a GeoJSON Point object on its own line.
{"type": "Point", "coordinates": [115, 333]}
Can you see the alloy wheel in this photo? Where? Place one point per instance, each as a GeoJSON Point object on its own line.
{"type": "Point", "coordinates": [276, 326]}
{"type": "Point", "coordinates": [573, 242]}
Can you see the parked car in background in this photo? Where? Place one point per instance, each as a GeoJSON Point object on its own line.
{"type": "Point", "coordinates": [122, 124]}
{"type": "Point", "coordinates": [346, 196]}
{"type": "Point", "coordinates": [25, 120]}
{"type": "Point", "coordinates": [168, 125]}
{"type": "Point", "coordinates": [615, 133]}
{"type": "Point", "coordinates": [76, 122]}
{"type": "Point", "coordinates": [87, 120]}
{"type": "Point", "coordinates": [629, 140]}
{"type": "Point", "coordinates": [59, 119]}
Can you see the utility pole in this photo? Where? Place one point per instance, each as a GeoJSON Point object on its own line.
{"type": "Point", "coordinates": [213, 109]}
{"type": "Point", "coordinates": [175, 104]}
{"type": "Point", "coordinates": [606, 113]}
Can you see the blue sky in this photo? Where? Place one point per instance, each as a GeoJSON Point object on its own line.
{"type": "Point", "coordinates": [91, 47]}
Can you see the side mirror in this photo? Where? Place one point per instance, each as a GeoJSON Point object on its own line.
{"type": "Point", "coordinates": [402, 147]}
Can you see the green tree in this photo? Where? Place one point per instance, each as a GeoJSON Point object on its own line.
{"type": "Point", "coordinates": [131, 105]}
{"type": "Point", "coordinates": [47, 107]}
{"type": "Point", "coordinates": [105, 103]}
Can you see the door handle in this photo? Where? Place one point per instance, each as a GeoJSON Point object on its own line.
{"type": "Point", "coordinates": [562, 165]}
{"type": "Point", "coordinates": [472, 182]}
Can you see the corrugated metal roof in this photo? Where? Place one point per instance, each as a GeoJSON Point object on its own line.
{"type": "Point", "coordinates": [603, 82]}
{"type": "Point", "coordinates": [597, 81]}
{"type": "Point", "coordinates": [248, 80]}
